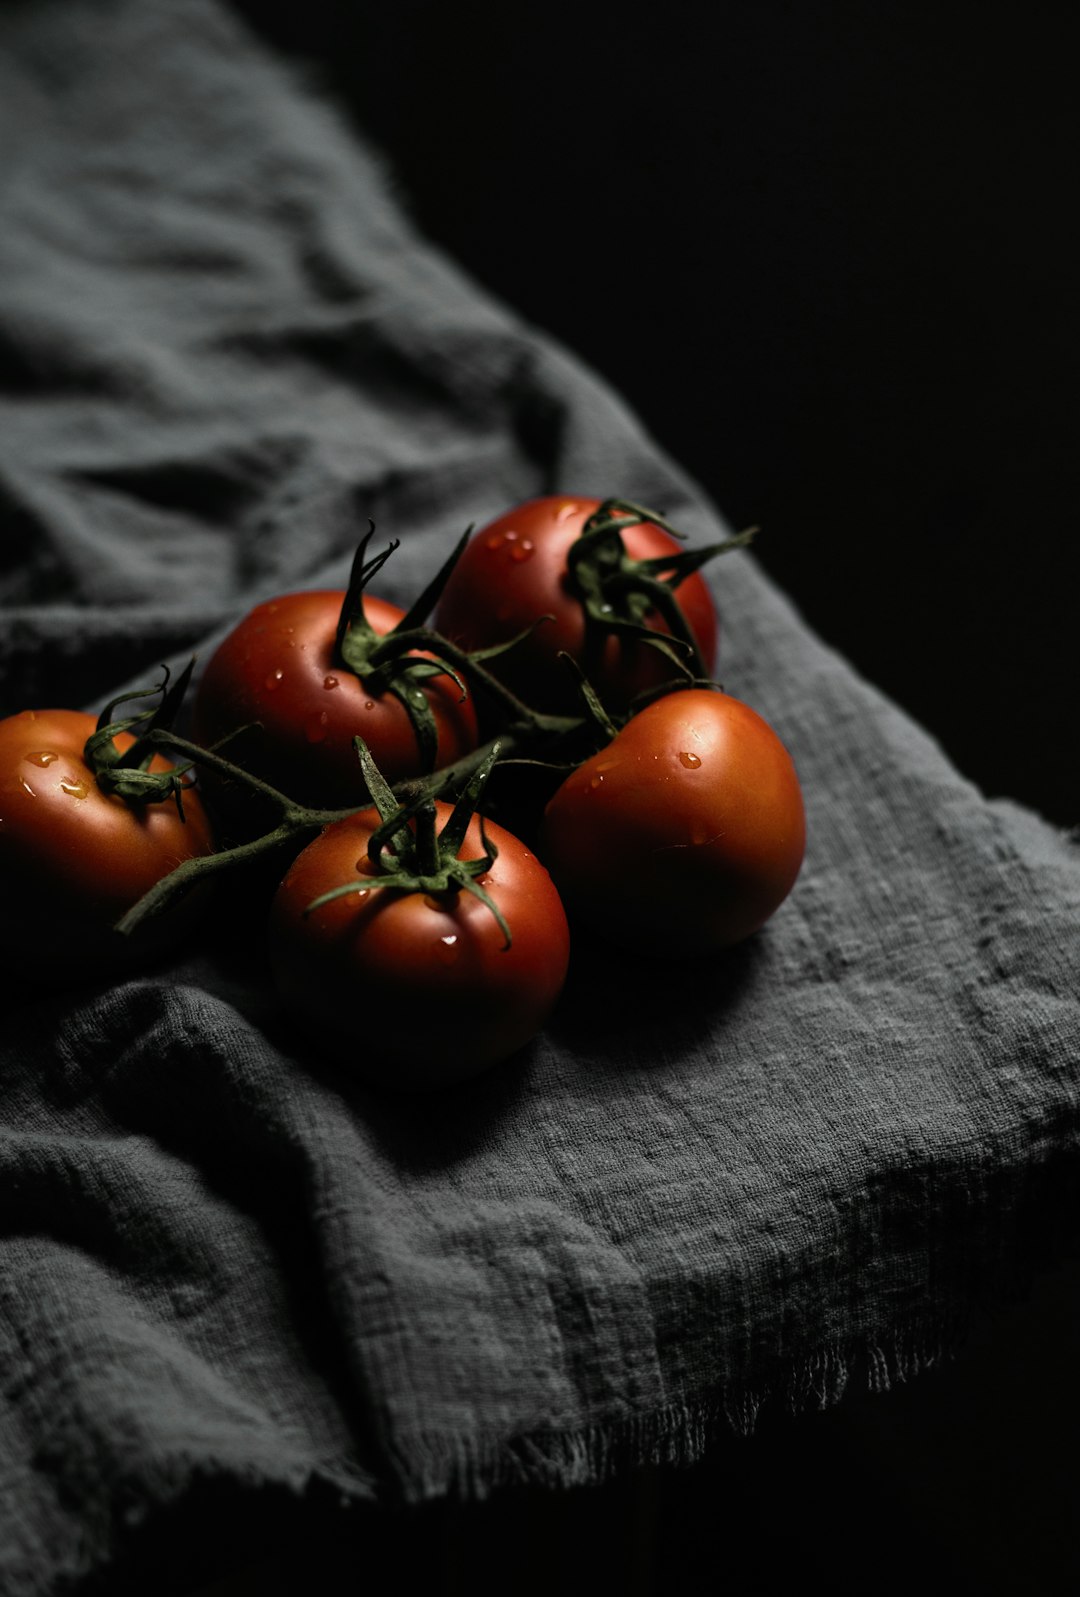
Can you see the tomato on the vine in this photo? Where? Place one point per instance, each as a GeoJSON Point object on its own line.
{"type": "Point", "coordinates": [521, 566]}
{"type": "Point", "coordinates": [279, 668]}
{"type": "Point", "coordinates": [75, 857]}
{"type": "Point", "coordinates": [685, 833]}
{"type": "Point", "coordinates": [413, 990]}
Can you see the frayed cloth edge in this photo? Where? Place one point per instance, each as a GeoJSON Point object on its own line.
{"type": "Point", "coordinates": [678, 1435]}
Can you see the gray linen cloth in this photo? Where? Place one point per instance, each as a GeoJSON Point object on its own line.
{"type": "Point", "coordinates": [222, 347]}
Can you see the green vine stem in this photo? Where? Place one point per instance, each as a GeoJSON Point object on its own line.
{"type": "Point", "coordinates": [296, 824]}
{"type": "Point", "coordinates": [617, 592]}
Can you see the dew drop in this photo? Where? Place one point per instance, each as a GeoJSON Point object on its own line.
{"type": "Point", "coordinates": [274, 679]}
{"type": "Point", "coordinates": [316, 727]}
{"type": "Point", "coordinates": [25, 785]}
{"type": "Point", "coordinates": [691, 761]}
{"type": "Point", "coordinates": [606, 765]}
{"type": "Point", "coordinates": [510, 536]}
{"type": "Point", "coordinates": [524, 550]}
{"type": "Point", "coordinates": [77, 789]}
{"type": "Point", "coordinates": [43, 757]}
{"type": "Point", "coordinates": [485, 879]}
{"type": "Point", "coordinates": [369, 704]}
{"type": "Point", "coordinates": [597, 781]}
{"type": "Point", "coordinates": [364, 866]}
{"type": "Point", "coordinates": [494, 542]}
{"type": "Point", "coordinates": [448, 950]}
{"type": "Point", "coordinates": [564, 512]}
{"type": "Point", "coordinates": [330, 682]}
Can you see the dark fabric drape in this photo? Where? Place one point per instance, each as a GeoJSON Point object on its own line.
{"type": "Point", "coordinates": [222, 348]}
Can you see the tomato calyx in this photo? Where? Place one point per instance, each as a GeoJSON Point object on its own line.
{"type": "Point", "coordinates": [127, 773]}
{"type": "Point", "coordinates": [389, 662]}
{"type": "Point", "coordinates": [407, 852]}
{"type": "Point", "coordinates": [618, 592]}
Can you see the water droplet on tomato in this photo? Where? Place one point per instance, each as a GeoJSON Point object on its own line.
{"type": "Point", "coordinates": [494, 542]}
{"type": "Point", "coordinates": [330, 682]}
{"type": "Point", "coordinates": [484, 879]}
{"type": "Point", "coordinates": [448, 950]}
{"type": "Point", "coordinates": [510, 536]}
{"type": "Point", "coordinates": [316, 727]}
{"type": "Point", "coordinates": [77, 788]}
{"type": "Point", "coordinates": [274, 679]}
{"type": "Point", "coordinates": [524, 550]}
{"type": "Point", "coordinates": [564, 512]}
{"type": "Point", "coordinates": [27, 789]}
{"type": "Point", "coordinates": [43, 757]}
{"type": "Point", "coordinates": [369, 704]}
{"type": "Point", "coordinates": [597, 781]}
{"type": "Point", "coordinates": [691, 761]}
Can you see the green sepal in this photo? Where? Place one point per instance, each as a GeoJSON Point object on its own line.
{"type": "Point", "coordinates": [127, 773]}
{"type": "Point", "coordinates": [617, 591]}
{"type": "Point", "coordinates": [417, 707]}
{"type": "Point", "coordinates": [422, 606]}
{"type": "Point", "coordinates": [383, 662]}
{"type": "Point", "coordinates": [424, 859]}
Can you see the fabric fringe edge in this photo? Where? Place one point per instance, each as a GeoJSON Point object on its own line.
{"type": "Point", "coordinates": [678, 1435]}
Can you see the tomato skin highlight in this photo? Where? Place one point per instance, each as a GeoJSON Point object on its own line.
{"type": "Point", "coordinates": [412, 992]}
{"type": "Point", "coordinates": [515, 569]}
{"type": "Point", "coordinates": [74, 859]}
{"type": "Point", "coordinates": [683, 835]}
{"type": "Point", "coordinates": [277, 667]}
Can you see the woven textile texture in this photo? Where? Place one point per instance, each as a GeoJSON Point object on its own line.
{"type": "Point", "coordinates": [223, 347]}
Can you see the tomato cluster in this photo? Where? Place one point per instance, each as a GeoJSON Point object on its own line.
{"type": "Point", "coordinates": [421, 941]}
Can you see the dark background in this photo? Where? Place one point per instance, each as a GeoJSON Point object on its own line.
{"type": "Point", "coordinates": [829, 253]}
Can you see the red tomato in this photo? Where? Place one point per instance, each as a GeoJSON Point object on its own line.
{"type": "Point", "coordinates": [515, 569]}
{"type": "Point", "coordinates": [74, 859]}
{"type": "Point", "coordinates": [277, 667]}
{"type": "Point", "coordinates": [410, 990]}
{"type": "Point", "coordinates": [685, 833]}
